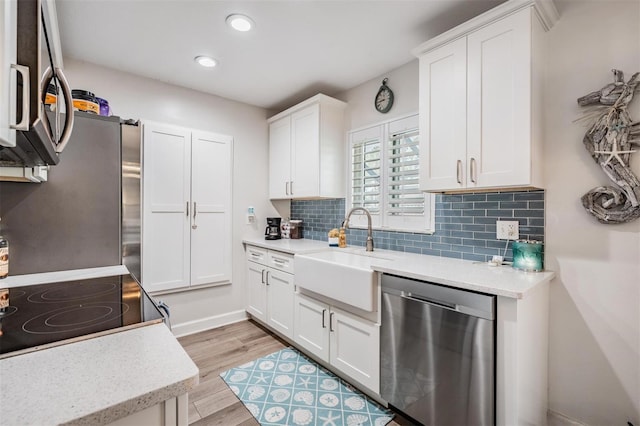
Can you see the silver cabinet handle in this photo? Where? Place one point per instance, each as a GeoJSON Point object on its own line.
{"type": "Point", "coordinates": [262, 273]}
{"type": "Point", "coordinates": [324, 311]}
{"type": "Point", "coordinates": [291, 187]}
{"type": "Point", "coordinates": [267, 279]}
{"type": "Point", "coordinates": [331, 321]}
{"type": "Point", "coordinates": [24, 72]}
{"type": "Point", "coordinates": [187, 209]}
{"type": "Point", "coordinates": [195, 212]}
{"type": "Point", "coordinates": [473, 170]}
{"type": "Point", "coordinates": [286, 188]}
{"type": "Point", "coordinates": [459, 172]}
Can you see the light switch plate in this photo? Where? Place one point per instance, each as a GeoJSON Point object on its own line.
{"type": "Point", "coordinates": [507, 230]}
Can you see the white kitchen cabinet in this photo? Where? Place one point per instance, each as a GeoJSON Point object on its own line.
{"type": "Point", "coordinates": [172, 412]}
{"type": "Point", "coordinates": [186, 229]}
{"type": "Point", "coordinates": [480, 104]}
{"type": "Point", "coordinates": [306, 150]}
{"type": "Point", "coordinates": [270, 288]}
{"type": "Point", "coordinates": [347, 342]}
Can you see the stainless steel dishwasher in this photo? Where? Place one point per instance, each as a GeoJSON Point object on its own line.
{"type": "Point", "coordinates": [437, 352]}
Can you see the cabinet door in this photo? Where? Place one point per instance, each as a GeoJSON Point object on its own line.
{"type": "Point", "coordinates": [280, 158]}
{"type": "Point", "coordinates": [256, 290]}
{"type": "Point", "coordinates": [166, 187]}
{"type": "Point", "coordinates": [499, 107]}
{"type": "Point", "coordinates": [280, 293]}
{"type": "Point", "coordinates": [305, 152]}
{"type": "Point", "coordinates": [355, 348]}
{"type": "Point", "coordinates": [211, 171]}
{"type": "Point", "coordinates": [443, 101]}
{"type": "Point", "coordinates": [311, 329]}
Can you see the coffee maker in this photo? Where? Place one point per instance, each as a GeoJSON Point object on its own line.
{"type": "Point", "coordinates": [272, 231]}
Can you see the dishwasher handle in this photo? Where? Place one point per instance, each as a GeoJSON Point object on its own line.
{"type": "Point", "coordinates": [463, 301]}
{"type": "Point", "coordinates": [421, 299]}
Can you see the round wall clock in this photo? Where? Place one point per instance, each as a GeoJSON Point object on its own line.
{"type": "Point", "coordinates": [384, 98]}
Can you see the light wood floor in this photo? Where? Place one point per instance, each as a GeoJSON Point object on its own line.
{"type": "Point", "coordinates": [214, 351]}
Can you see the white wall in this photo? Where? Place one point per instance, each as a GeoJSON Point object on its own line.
{"type": "Point", "coordinates": [361, 112]}
{"type": "Point", "coordinates": [135, 97]}
{"type": "Point", "coordinates": [594, 360]}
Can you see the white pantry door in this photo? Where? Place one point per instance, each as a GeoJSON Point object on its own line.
{"type": "Point", "coordinates": [211, 172]}
{"type": "Point", "coordinates": [166, 186]}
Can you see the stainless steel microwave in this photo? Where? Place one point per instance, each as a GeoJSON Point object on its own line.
{"type": "Point", "coordinates": [31, 65]}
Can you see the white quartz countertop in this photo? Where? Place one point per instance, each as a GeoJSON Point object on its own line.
{"type": "Point", "coordinates": [499, 280]}
{"type": "Point", "coordinates": [299, 246]}
{"type": "Point", "coordinates": [70, 275]}
{"type": "Point", "coordinates": [95, 381]}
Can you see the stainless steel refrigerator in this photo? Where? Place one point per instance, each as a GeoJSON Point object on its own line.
{"type": "Point", "coordinates": [74, 220]}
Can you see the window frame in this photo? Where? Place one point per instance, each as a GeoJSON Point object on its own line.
{"type": "Point", "coordinates": [381, 222]}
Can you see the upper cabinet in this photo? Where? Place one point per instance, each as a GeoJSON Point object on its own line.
{"type": "Point", "coordinates": [306, 150]}
{"type": "Point", "coordinates": [480, 101]}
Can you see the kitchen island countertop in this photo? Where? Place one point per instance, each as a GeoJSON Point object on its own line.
{"type": "Point", "coordinates": [95, 381]}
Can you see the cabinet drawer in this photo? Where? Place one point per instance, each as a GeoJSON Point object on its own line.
{"type": "Point", "coordinates": [256, 254]}
{"type": "Point", "coordinates": [280, 261]}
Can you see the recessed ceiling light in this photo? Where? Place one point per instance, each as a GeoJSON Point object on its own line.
{"type": "Point", "coordinates": [206, 61]}
{"type": "Point", "coordinates": [240, 22]}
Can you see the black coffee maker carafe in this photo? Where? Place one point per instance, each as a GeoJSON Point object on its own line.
{"type": "Point", "coordinates": [272, 231]}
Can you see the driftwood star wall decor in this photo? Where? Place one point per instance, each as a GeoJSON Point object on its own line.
{"type": "Point", "coordinates": [611, 140]}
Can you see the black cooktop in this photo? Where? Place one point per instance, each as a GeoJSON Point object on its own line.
{"type": "Point", "coordinates": [44, 315]}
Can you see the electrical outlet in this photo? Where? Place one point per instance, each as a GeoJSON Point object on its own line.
{"type": "Point", "coordinates": [507, 230]}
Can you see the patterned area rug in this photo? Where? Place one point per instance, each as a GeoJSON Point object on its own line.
{"type": "Point", "coordinates": [285, 388]}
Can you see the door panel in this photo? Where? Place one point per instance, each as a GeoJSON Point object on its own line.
{"type": "Point", "coordinates": [280, 158]}
{"type": "Point", "coordinates": [311, 332]}
{"type": "Point", "coordinates": [499, 82]}
{"type": "Point", "coordinates": [355, 348]}
{"type": "Point", "coordinates": [211, 160]}
{"type": "Point", "coordinates": [280, 295]}
{"type": "Point", "coordinates": [443, 117]}
{"type": "Point", "coordinates": [305, 152]}
{"type": "Point", "coordinates": [256, 291]}
{"type": "Point", "coordinates": [166, 183]}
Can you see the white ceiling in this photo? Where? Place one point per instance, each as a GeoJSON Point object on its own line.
{"type": "Point", "coordinates": [298, 47]}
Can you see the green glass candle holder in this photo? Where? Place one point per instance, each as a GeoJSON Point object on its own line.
{"type": "Point", "coordinates": [528, 255]}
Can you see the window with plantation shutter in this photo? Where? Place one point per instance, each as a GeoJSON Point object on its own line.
{"type": "Point", "coordinates": [366, 166]}
{"type": "Point", "coordinates": [384, 177]}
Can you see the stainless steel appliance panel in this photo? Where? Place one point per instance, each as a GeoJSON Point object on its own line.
{"type": "Point", "coordinates": [131, 198]}
{"type": "Point", "coordinates": [437, 359]}
{"type": "Point", "coordinates": [41, 136]}
{"type": "Point", "coordinates": [73, 220]}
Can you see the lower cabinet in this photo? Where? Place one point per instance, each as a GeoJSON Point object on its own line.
{"type": "Point", "coordinates": [347, 342]}
{"type": "Point", "coordinates": [172, 412]}
{"type": "Point", "coordinates": [270, 290]}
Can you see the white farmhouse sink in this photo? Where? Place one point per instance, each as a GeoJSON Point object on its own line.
{"type": "Point", "coordinates": [342, 275]}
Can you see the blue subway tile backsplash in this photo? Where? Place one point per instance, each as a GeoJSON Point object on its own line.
{"type": "Point", "coordinates": [465, 224]}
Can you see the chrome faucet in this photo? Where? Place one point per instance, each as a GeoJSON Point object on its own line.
{"type": "Point", "coordinates": [369, 231]}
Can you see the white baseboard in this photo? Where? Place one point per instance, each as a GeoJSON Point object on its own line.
{"type": "Point", "coordinates": [557, 419]}
{"type": "Point", "coordinates": [208, 323]}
